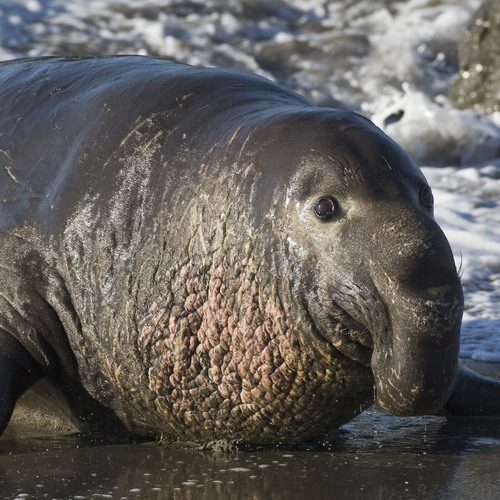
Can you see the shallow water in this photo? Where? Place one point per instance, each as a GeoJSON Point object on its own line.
{"type": "Point", "coordinates": [375, 456]}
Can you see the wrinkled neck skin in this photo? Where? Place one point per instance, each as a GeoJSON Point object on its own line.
{"type": "Point", "coordinates": [203, 332]}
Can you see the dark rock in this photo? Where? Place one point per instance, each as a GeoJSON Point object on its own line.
{"type": "Point", "coordinates": [478, 80]}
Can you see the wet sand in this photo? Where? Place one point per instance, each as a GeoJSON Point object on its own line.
{"type": "Point", "coordinates": [375, 456]}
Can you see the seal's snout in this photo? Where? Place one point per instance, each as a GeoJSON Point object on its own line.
{"type": "Point", "coordinates": [415, 360]}
{"type": "Point", "coordinates": [415, 368]}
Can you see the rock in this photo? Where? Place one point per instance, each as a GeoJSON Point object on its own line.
{"type": "Point", "coordinates": [478, 81]}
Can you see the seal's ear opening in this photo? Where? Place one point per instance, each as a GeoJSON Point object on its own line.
{"type": "Point", "coordinates": [18, 372]}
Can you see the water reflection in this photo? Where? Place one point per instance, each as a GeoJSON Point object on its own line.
{"type": "Point", "coordinates": [376, 456]}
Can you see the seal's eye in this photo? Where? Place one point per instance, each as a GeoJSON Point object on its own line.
{"type": "Point", "coordinates": [426, 197]}
{"type": "Point", "coordinates": [325, 207]}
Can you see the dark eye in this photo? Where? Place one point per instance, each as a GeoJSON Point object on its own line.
{"type": "Point", "coordinates": [325, 207]}
{"type": "Point", "coordinates": [426, 197]}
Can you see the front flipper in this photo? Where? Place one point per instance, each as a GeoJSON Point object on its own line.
{"type": "Point", "coordinates": [474, 394]}
{"type": "Point", "coordinates": [18, 371]}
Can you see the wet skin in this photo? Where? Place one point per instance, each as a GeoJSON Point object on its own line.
{"type": "Point", "coordinates": [212, 257]}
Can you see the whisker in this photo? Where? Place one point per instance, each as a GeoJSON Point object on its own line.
{"type": "Point", "coordinates": [460, 270]}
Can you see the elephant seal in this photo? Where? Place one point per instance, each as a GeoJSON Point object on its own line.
{"type": "Point", "coordinates": [211, 257]}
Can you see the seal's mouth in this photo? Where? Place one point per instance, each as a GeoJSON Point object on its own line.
{"type": "Point", "coordinates": [349, 337]}
{"type": "Point", "coordinates": [351, 331]}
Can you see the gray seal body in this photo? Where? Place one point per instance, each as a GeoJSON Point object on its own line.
{"type": "Point", "coordinates": [207, 255]}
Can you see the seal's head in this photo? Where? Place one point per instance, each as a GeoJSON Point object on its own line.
{"type": "Point", "coordinates": [369, 263]}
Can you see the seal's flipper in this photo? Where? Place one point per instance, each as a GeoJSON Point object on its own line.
{"type": "Point", "coordinates": [474, 394]}
{"type": "Point", "coordinates": [18, 372]}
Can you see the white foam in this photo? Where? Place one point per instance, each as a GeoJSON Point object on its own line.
{"type": "Point", "coordinates": [432, 131]}
{"type": "Point", "coordinates": [467, 208]}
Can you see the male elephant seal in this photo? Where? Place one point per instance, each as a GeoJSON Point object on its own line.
{"type": "Point", "coordinates": [212, 257]}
